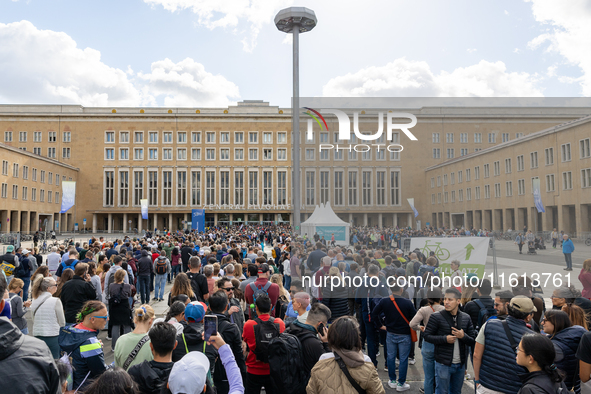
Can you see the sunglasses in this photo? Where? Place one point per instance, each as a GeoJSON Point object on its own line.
{"type": "Point", "coordinates": [102, 317]}
{"type": "Point", "coordinates": [228, 288]}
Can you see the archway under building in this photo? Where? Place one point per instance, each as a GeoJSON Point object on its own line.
{"type": "Point", "coordinates": [457, 220]}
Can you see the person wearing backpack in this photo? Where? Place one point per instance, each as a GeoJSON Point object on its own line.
{"type": "Point", "coordinates": [259, 287]}
{"type": "Point", "coordinates": [9, 262]}
{"type": "Point", "coordinates": [482, 308]}
{"type": "Point", "coordinates": [257, 334]}
{"type": "Point", "coordinates": [70, 263]}
{"type": "Point", "coordinates": [24, 270]}
{"type": "Point", "coordinates": [161, 268]}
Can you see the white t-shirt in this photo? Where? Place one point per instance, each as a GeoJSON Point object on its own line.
{"type": "Point", "coordinates": [53, 261]}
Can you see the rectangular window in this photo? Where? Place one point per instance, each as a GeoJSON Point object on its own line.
{"type": "Point", "coordinates": [253, 154]}
{"type": "Point", "coordinates": [436, 153]}
{"type": "Point", "coordinates": [50, 178]}
{"type": "Point", "coordinates": [533, 160]}
{"type": "Point", "coordinates": [497, 168]}
{"type": "Point", "coordinates": [167, 137]}
{"type": "Point", "coordinates": [381, 187]}
{"type": "Point", "coordinates": [497, 190]}
{"type": "Point", "coordinates": [444, 179]}
{"type": "Point", "coordinates": [49, 196]}
{"type": "Point", "coordinates": [352, 155]}
{"type": "Point", "coordinates": [435, 137]}
{"type": "Point", "coordinates": [8, 136]}
{"type": "Point", "coordinates": [477, 173]}
{"type": "Point", "coordinates": [584, 148]}
{"type": "Point", "coordinates": [153, 137]}
{"type": "Point", "coordinates": [352, 188]}
{"type": "Point", "coordinates": [452, 178]}
{"type": "Point", "coordinates": [477, 138]}
{"type": "Point", "coordinates": [51, 153]}
{"type": "Point", "coordinates": [464, 138]}
{"type": "Point", "coordinates": [224, 187]}
{"type": "Point", "coordinates": [432, 183]}
{"type": "Point", "coordinates": [196, 154]}
{"type": "Point", "coordinates": [138, 137]}
{"type": "Point", "coordinates": [445, 197]}
{"type": "Point", "coordinates": [267, 188]}
{"type": "Point", "coordinates": [195, 188]}
{"type": "Point", "coordinates": [366, 156]}
{"type": "Point", "coordinates": [225, 137]}
{"type": "Point", "coordinates": [366, 187]}
{"type": "Point", "coordinates": [492, 138]}
{"type": "Point", "coordinates": [166, 153]}
{"type": "Point", "coordinates": [281, 154]}
{"type": "Point", "coordinates": [238, 137]}
{"type": "Point", "coordinates": [267, 138]}
{"type": "Point", "coordinates": [453, 196]}
{"type": "Point", "coordinates": [450, 153]}
{"type": "Point", "coordinates": [37, 151]}
{"type": "Point", "coordinates": [42, 176]}
{"type": "Point", "coordinates": [123, 188]}
{"type": "Point", "coordinates": [34, 174]}
{"type": "Point", "coordinates": [209, 187]}
{"type": "Point", "coordinates": [267, 154]}
{"type": "Point", "coordinates": [25, 193]}
{"type": "Point", "coordinates": [253, 188]}
{"type": "Point", "coordinates": [109, 187]}
{"type": "Point", "coordinates": [507, 166]}
{"type": "Point", "coordinates": [395, 187]}
{"type": "Point", "coordinates": [565, 150]}
{"type": "Point", "coordinates": [567, 180]}
{"type": "Point", "coordinates": [438, 180]}
{"type": "Point", "coordinates": [210, 154]}
{"type": "Point", "coordinates": [33, 194]}
{"type": "Point", "coordinates": [181, 153]}
{"type": "Point", "coordinates": [253, 137]}
{"type": "Point", "coordinates": [463, 151]}
{"type": "Point", "coordinates": [138, 154]}
{"type": "Point", "coordinates": [460, 176]}
{"type": "Point", "coordinates": [324, 138]}
{"type": "Point", "coordinates": [239, 188]}
{"type": "Point", "coordinates": [37, 136]}
{"type": "Point", "coordinates": [225, 154]}
{"type": "Point", "coordinates": [585, 177]}
{"type": "Point", "coordinates": [469, 194]}
{"type": "Point", "coordinates": [181, 186]}
{"type": "Point", "coordinates": [432, 199]}
{"type": "Point", "coordinates": [282, 187]}
{"type": "Point", "coordinates": [282, 138]}
{"type": "Point", "coordinates": [324, 185]}
{"type": "Point", "coordinates": [15, 170]}
{"type": "Point", "coordinates": [238, 154]}
{"type": "Point", "coordinates": [109, 136]}
{"type": "Point", "coordinates": [449, 138]}
{"type": "Point", "coordinates": [486, 170]}
{"type": "Point", "coordinates": [124, 154]}
{"type": "Point", "coordinates": [521, 186]}
{"type": "Point", "coordinates": [57, 197]}
{"type": "Point", "coordinates": [124, 137]}
{"type": "Point", "coordinates": [518, 135]}
{"type": "Point", "coordinates": [57, 180]}
{"type": "Point", "coordinates": [66, 153]}
{"type": "Point", "coordinates": [166, 188]}
{"type": "Point", "coordinates": [22, 137]}
{"type": "Point", "coordinates": [438, 198]}
{"type": "Point", "coordinates": [4, 190]}
{"type": "Point", "coordinates": [138, 187]}
{"type": "Point", "coordinates": [505, 137]}
{"type": "Point", "coordinates": [196, 137]}
{"type": "Point", "coordinates": [338, 188]}
{"type": "Point", "coordinates": [310, 188]}
{"type": "Point", "coordinates": [42, 195]}
{"type": "Point", "coordinates": [550, 183]}
{"type": "Point", "coordinates": [53, 136]}
{"type": "Point", "coordinates": [477, 192]}
{"type": "Point", "coordinates": [520, 163]}
{"type": "Point", "coordinates": [153, 154]}
{"type": "Point", "coordinates": [109, 153]}
{"type": "Point", "coordinates": [181, 138]}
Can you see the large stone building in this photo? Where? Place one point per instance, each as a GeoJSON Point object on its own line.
{"type": "Point", "coordinates": [235, 162]}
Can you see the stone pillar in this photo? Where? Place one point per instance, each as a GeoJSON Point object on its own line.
{"type": "Point", "coordinates": [215, 219]}
{"type": "Point", "coordinates": [547, 220]}
{"type": "Point", "coordinates": [232, 218]}
{"type": "Point", "coordinates": [94, 220]}
{"type": "Point", "coordinates": [260, 217]}
{"type": "Point", "coordinates": [34, 219]}
{"type": "Point", "coordinates": [110, 224]}
{"type": "Point", "coordinates": [140, 223]}
{"type": "Point", "coordinates": [395, 220]}
{"type": "Point", "coordinates": [4, 216]}
{"type": "Point", "coordinates": [187, 218]}
{"type": "Point", "coordinates": [410, 219]}
{"type": "Point", "coordinates": [25, 221]}
{"type": "Point", "coordinates": [578, 220]}
{"type": "Point", "coordinates": [124, 223]}
{"type": "Point", "coordinates": [380, 220]}
{"type": "Point", "coordinates": [16, 224]}
{"type": "Point", "coordinates": [497, 220]}
{"type": "Point", "coordinates": [365, 219]}
{"type": "Point", "coordinates": [350, 217]}
{"type": "Point", "coordinates": [155, 220]}
{"type": "Point", "coordinates": [170, 221]}
{"type": "Point", "coordinates": [520, 220]}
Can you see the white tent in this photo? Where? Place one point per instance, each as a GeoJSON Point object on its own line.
{"type": "Point", "coordinates": [325, 222]}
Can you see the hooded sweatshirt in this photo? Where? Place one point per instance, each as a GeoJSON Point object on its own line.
{"type": "Point", "coordinates": [162, 260]}
{"type": "Point", "coordinates": [191, 340]}
{"type": "Point", "coordinates": [86, 352]}
{"type": "Point", "coordinates": [26, 362]}
{"type": "Point", "coordinates": [144, 264]}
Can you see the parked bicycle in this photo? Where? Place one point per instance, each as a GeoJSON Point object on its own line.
{"type": "Point", "coordinates": [588, 241]}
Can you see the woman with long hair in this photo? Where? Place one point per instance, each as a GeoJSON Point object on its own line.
{"type": "Point", "coordinates": [113, 381]}
{"type": "Point", "coordinates": [345, 342]}
{"type": "Point", "coordinates": [576, 314]}
{"type": "Point", "coordinates": [81, 343]}
{"type": "Point", "coordinates": [143, 319]}
{"type": "Point", "coordinates": [278, 280]}
{"type": "Point", "coordinates": [67, 274]}
{"type": "Point", "coordinates": [47, 312]}
{"type": "Point", "coordinates": [536, 353]}
{"type": "Point", "coordinates": [95, 280]}
{"type": "Point", "coordinates": [566, 337]}
{"type": "Point", "coordinates": [43, 270]}
{"type": "Point", "coordinates": [175, 263]}
{"type": "Point", "coordinates": [181, 285]}
{"type": "Point", "coordinates": [119, 309]}
{"type": "Point", "coordinates": [585, 278]}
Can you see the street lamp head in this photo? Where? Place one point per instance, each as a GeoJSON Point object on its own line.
{"type": "Point", "coordinates": [304, 18]}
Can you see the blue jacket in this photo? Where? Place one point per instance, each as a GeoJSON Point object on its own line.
{"type": "Point", "coordinates": [86, 353]}
{"type": "Point", "coordinates": [499, 370]}
{"type": "Point", "coordinates": [568, 246]}
{"type": "Point", "coordinates": [369, 296]}
{"type": "Point", "coordinates": [567, 343]}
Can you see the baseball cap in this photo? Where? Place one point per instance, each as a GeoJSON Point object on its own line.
{"type": "Point", "coordinates": [10, 248]}
{"type": "Point", "coordinates": [399, 251]}
{"type": "Point", "coordinates": [263, 268]}
{"type": "Point", "coordinates": [523, 304]}
{"type": "Point", "coordinates": [189, 373]}
{"type": "Point", "coordinates": [25, 251]}
{"type": "Point", "coordinates": [400, 272]}
{"type": "Point", "coordinates": [195, 311]}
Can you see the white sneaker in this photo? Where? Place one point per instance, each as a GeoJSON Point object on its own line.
{"type": "Point", "coordinates": [392, 384]}
{"type": "Point", "coordinates": [378, 354]}
{"type": "Point", "coordinates": [402, 387]}
{"type": "Point", "coordinates": [467, 376]}
{"type": "Point", "coordinates": [411, 361]}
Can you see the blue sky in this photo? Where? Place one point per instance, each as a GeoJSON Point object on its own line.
{"type": "Point", "coordinates": [216, 52]}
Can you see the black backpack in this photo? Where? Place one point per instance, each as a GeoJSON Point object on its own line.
{"type": "Point", "coordinates": [286, 362]}
{"type": "Point", "coordinates": [281, 307]}
{"type": "Point", "coordinates": [160, 267]}
{"type": "Point", "coordinates": [23, 270]}
{"type": "Point", "coordinates": [264, 332]}
{"type": "Point", "coordinates": [484, 314]}
{"type": "Point", "coordinates": [116, 298]}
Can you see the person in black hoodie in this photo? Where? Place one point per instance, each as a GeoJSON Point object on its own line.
{"type": "Point", "coordinates": [536, 353]}
{"type": "Point", "coordinates": [192, 337]}
{"type": "Point", "coordinates": [144, 271]}
{"type": "Point", "coordinates": [484, 301]}
{"type": "Point", "coordinates": [307, 333]}
{"type": "Point", "coordinates": [218, 303]}
{"type": "Point", "coordinates": [152, 376]}
{"type": "Point", "coordinates": [76, 292]}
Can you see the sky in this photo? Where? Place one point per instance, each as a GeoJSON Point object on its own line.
{"type": "Point", "coordinates": [213, 53]}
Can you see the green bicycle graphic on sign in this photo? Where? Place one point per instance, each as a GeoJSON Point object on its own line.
{"type": "Point", "coordinates": [441, 253]}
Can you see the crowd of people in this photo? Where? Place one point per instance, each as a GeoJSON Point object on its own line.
{"type": "Point", "coordinates": [249, 310]}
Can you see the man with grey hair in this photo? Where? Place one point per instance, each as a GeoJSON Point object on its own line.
{"type": "Point", "coordinates": [567, 249]}
{"type": "Point", "coordinates": [53, 261]}
{"type": "Point", "coordinates": [300, 304]}
{"type": "Point", "coordinates": [229, 271]}
{"type": "Point", "coordinates": [198, 280]}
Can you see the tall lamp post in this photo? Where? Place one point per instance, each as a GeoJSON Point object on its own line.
{"type": "Point", "coordinates": [296, 20]}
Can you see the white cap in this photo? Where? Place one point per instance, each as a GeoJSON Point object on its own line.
{"type": "Point", "coordinates": [188, 375]}
{"type": "Point", "coordinates": [25, 251]}
{"type": "Point", "coordinates": [399, 251]}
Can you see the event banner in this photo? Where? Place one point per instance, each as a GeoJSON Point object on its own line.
{"type": "Point", "coordinates": [411, 202]}
{"type": "Point", "coordinates": [68, 195]}
{"type": "Point", "coordinates": [537, 195]}
{"type": "Point", "coordinates": [144, 204]}
{"type": "Point", "coordinates": [470, 251]}
{"type": "Point", "coordinates": [198, 220]}
{"type": "Point", "coordinates": [328, 231]}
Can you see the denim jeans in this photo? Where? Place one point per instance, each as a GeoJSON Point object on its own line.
{"type": "Point", "coordinates": [372, 341]}
{"type": "Point", "coordinates": [159, 286]}
{"type": "Point", "coordinates": [428, 352]}
{"type": "Point", "coordinates": [398, 346]}
{"type": "Point", "coordinates": [144, 288]}
{"type": "Point", "coordinates": [176, 269]}
{"type": "Point", "coordinates": [26, 288]}
{"type": "Point", "coordinates": [449, 378]}
{"type": "Point", "coordinates": [287, 279]}
{"type": "Point", "coordinates": [567, 257]}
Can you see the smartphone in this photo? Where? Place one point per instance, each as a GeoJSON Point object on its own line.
{"type": "Point", "coordinates": [321, 328]}
{"type": "Point", "coordinates": [210, 324]}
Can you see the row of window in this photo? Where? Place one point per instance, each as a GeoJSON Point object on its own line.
{"type": "Point", "coordinates": [23, 171]}
{"type": "Point", "coordinates": [51, 152]}
{"type": "Point", "coordinates": [324, 154]}
{"type": "Point", "coordinates": [25, 194]}
{"type": "Point", "coordinates": [181, 154]}
{"type": "Point", "coordinates": [153, 137]}
{"type": "Point", "coordinates": [567, 184]}
{"type": "Point", "coordinates": [187, 188]}
{"type": "Point", "coordinates": [492, 137]}
{"type": "Point", "coordinates": [38, 136]}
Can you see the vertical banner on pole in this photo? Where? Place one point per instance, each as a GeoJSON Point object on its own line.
{"type": "Point", "coordinates": [198, 220]}
{"type": "Point", "coordinates": [144, 204]}
{"type": "Point", "coordinates": [411, 202]}
{"type": "Point", "coordinates": [68, 195]}
{"type": "Point", "coordinates": [537, 195]}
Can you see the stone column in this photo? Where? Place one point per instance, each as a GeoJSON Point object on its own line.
{"type": "Point", "coordinates": [410, 219]}
{"type": "Point", "coordinates": [110, 224]}
{"type": "Point", "coordinates": [215, 219]}
{"type": "Point", "coordinates": [380, 220]}
{"type": "Point", "coordinates": [34, 218]}
{"type": "Point", "coordinates": [25, 221]}
{"type": "Point", "coordinates": [579, 220]}
{"type": "Point", "coordinates": [365, 219]}
{"type": "Point", "coordinates": [170, 221]}
{"type": "Point", "coordinates": [187, 218]}
{"type": "Point", "coordinates": [395, 220]}
{"type": "Point", "coordinates": [16, 225]}
{"type": "Point", "coordinates": [94, 220]}
{"type": "Point", "coordinates": [140, 223]}
{"type": "Point", "coordinates": [155, 220]}
{"type": "Point", "coordinates": [350, 217]}
{"type": "Point", "coordinates": [4, 216]}
{"type": "Point", "coordinates": [124, 223]}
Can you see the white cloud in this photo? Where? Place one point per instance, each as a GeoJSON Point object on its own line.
{"type": "Point", "coordinates": [415, 79]}
{"type": "Point", "coordinates": [506, 12]}
{"type": "Point", "coordinates": [288, 40]}
{"type": "Point", "coordinates": [516, 50]}
{"type": "Point", "coordinates": [187, 84]}
{"type": "Point", "coordinates": [569, 34]}
{"type": "Point", "coordinates": [47, 67]}
{"type": "Point", "coordinates": [228, 13]}
{"type": "Point", "coordinates": [471, 50]}
{"type": "Point", "coordinates": [551, 71]}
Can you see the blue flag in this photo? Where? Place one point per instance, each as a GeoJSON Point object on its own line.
{"type": "Point", "coordinates": [68, 195]}
{"type": "Point", "coordinates": [411, 201]}
{"type": "Point", "coordinates": [198, 220]}
{"type": "Point", "coordinates": [537, 195]}
{"type": "Point", "coordinates": [144, 204]}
